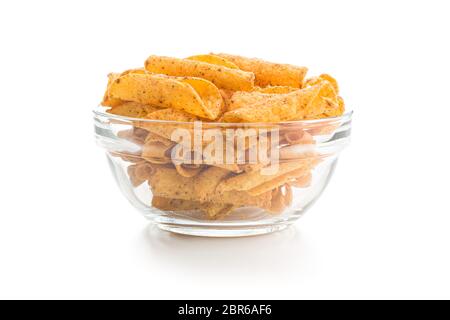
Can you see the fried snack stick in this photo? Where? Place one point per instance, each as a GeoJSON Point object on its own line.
{"type": "Point", "coordinates": [222, 77]}
{"type": "Point", "coordinates": [280, 181]}
{"type": "Point", "coordinates": [281, 198]}
{"type": "Point", "coordinates": [132, 110]}
{"type": "Point", "coordinates": [166, 182]}
{"type": "Point", "coordinates": [213, 211]}
{"type": "Point", "coordinates": [139, 172]}
{"type": "Point", "coordinates": [277, 108]}
{"type": "Point", "coordinates": [213, 59]}
{"type": "Point", "coordinates": [276, 89]}
{"type": "Point", "coordinates": [107, 101]}
{"type": "Point", "coordinates": [269, 73]}
{"type": "Point", "coordinates": [195, 96]}
{"type": "Point", "coordinates": [250, 180]}
{"type": "Point", "coordinates": [165, 130]}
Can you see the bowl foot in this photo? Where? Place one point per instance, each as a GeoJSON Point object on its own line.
{"type": "Point", "coordinates": [222, 232]}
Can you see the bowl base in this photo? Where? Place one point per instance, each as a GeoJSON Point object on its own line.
{"type": "Point", "coordinates": [219, 232]}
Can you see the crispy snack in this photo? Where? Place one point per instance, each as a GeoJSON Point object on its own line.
{"type": "Point", "coordinates": [107, 100]}
{"type": "Point", "coordinates": [213, 59]}
{"type": "Point", "coordinates": [167, 182]}
{"type": "Point", "coordinates": [250, 180]}
{"type": "Point", "coordinates": [188, 170]}
{"type": "Point", "coordinates": [242, 99]}
{"type": "Point", "coordinates": [276, 89]}
{"type": "Point", "coordinates": [269, 73]}
{"type": "Point", "coordinates": [281, 198]}
{"type": "Point", "coordinates": [277, 108]}
{"type": "Point", "coordinates": [195, 96]}
{"type": "Point", "coordinates": [132, 110]}
{"type": "Point", "coordinates": [139, 172]}
{"type": "Point", "coordinates": [212, 210]}
{"type": "Point", "coordinates": [222, 77]}
{"type": "Point", "coordinates": [177, 93]}
{"type": "Point", "coordinates": [323, 77]}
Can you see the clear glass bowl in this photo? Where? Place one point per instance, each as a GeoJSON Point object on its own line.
{"type": "Point", "coordinates": [268, 175]}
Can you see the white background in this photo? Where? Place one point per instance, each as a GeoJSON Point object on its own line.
{"type": "Point", "coordinates": [380, 230]}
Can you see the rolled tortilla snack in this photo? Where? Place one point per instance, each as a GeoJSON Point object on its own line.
{"type": "Point", "coordinates": [132, 109]}
{"type": "Point", "coordinates": [281, 198]}
{"type": "Point", "coordinates": [276, 89]}
{"type": "Point", "coordinates": [107, 100]}
{"type": "Point", "coordinates": [242, 99]}
{"type": "Point", "coordinates": [269, 73]}
{"type": "Point", "coordinates": [156, 150]}
{"type": "Point", "coordinates": [277, 108]}
{"type": "Point", "coordinates": [139, 173]}
{"type": "Point", "coordinates": [195, 96]}
{"type": "Point", "coordinates": [188, 171]}
{"type": "Point", "coordinates": [167, 183]}
{"type": "Point", "coordinates": [213, 211]}
{"type": "Point", "coordinates": [279, 181]}
{"type": "Point", "coordinates": [302, 181]}
{"type": "Point", "coordinates": [223, 77]}
{"type": "Point", "coordinates": [298, 137]}
{"type": "Point", "coordinates": [249, 180]}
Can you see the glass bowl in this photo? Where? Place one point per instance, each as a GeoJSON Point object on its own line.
{"type": "Point", "coordinates": [221, 179]}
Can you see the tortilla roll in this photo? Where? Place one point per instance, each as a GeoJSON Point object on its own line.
{"type": "Point", "coordinates": [139, 173]}
{"type": "Point", "coordinates": [168, 92]}
{"type": "Point", "coordinates": [107, 101]}
{"type": "Point", "coordinates": [242, 99]}
{"type": "Point", "coordinates": [279, 181]}
{"type": "Point", "coordinates": [298, 137]}
{"type": "Point", "coordinates": [250, 180]}
{"type": "Point", "coordinates": [276, 89]}
{"type": "Point", "coordinates": [165, 129]}
{"type": "Point", "coordinates": [277, 108]}
{"type": "Point", "coordinates": [223, 77]}
{"type": "Point", "coordinates": [213, 211]}
{"type": "Point", "coordinates": [281, 198]}
{"type": "Point", "coordinates": [302, 181]}
{"type": "Point", "coordinates": [213, 59]}
{"type": "Point", "coordinates": [269, 73]}
{"type": "Point", "coordinates": [166, 182]}
{"type": "Point", "coordinates": [156, 150]}
{"type": "Point", "coordinates": [188, 171]}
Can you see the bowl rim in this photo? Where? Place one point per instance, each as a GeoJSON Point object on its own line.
{"type": "Point", "coordinates": [98, 111]}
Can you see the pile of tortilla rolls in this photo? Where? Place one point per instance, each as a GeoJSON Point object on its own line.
{"type": "Point", "coordinates": [226, 93]}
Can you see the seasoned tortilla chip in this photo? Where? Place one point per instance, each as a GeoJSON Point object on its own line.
{"type": "Point", "coordinates": [139, 172]}
{"type": "Point", "coordinates": [281, 198]}
{"type": "Point", "coordinates": [167, 92]}
{"type": "Point", "coordinates": [166, 182]}
{"type": "Point", "coordinates": [107, 100]}
{"type": "Point", "coordinates": [249, 180]}
{"type": "Point", "coordinates": [212, 210]}
{"type": "Point", "coordinates": [279, 181]}
{"type": "Point", "coordinates": [165, 130]}
{"type": "Point", "coordinates": [276, 89]}
{"type": "Point", "coordinates": [213, 59]}
{"type": "Point", "coordinates": [188, 171]}
{"type": "Point", "coordinates": [333, 110]}
{"type": "Point", "coordinates": [222, 77]}
{"type": "Point", "coordinates": [132, 110]}
{"type": "Point", "coordinates": [302, 181]}
{"type": "Point", "coordinates": [276, 108]}
{"type": "Point", "coordinates": [298, 137]}
{"type": "Point", "coordinates": [269, 73]}
{"type": "Point", "coordinates": [242, 99]}
{"type": "Point", "coordinates": [323, 77]}
{"type": "Point", "coordinates": [156, 150]}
